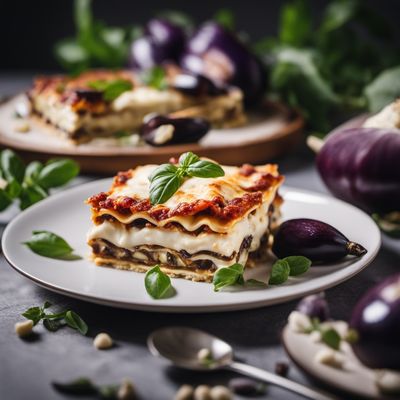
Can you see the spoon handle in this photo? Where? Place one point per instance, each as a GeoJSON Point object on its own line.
{"type": "Point", "coordinates": [274, 379]}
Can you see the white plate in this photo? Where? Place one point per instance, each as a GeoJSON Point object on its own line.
{"type": "Point", "coordinates": [66, 215]}
{"type": "Point", "coordinates": [354, 377]}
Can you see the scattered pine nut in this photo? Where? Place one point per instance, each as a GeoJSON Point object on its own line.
{"type": "Point", "coordinates": [24, 328]}
{"type": "Point", "coordinates": [103, 341]}
{"type": "Point", "coordinates": [185, 392]}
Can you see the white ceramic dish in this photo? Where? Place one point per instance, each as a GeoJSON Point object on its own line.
{"type": "Point", "coordinates": [66, 215]}
{"type": "Point", "coordinates": [353, 377]}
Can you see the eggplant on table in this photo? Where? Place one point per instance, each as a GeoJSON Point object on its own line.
{"type": "Point", "coordinates": [362, 167]}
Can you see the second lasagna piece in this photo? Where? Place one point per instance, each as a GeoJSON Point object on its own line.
{"type": "Point", "coordinates": [207, 224]}
{"type": "Point", "coordinates": [103, 103]}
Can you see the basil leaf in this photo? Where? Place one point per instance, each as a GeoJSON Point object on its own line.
{"type": "Point", "coordinates": [338, 14]}
{"type": "Point", "coordinates": [111, 89]}
{"type": "Point", "coordinates": [188, 158]}
{"type": "Point", "coordinates": [48, 244]}
{"type": "Point", "coordinates": [232, 275]}
{"type": "Point", "coordinates": [5, 200]}
{"type": "Point", "coordinates": [298, 264]}
{"type": "Point", "coordinates": [331, 337]}
{"type": "Point", "coordinates": [80, 386]}
{"type": "Point", "coordinates": [155, 77]}
{"type": "Point", "coordinates": [57, 173]}
{"type": "Point", "coordinates": [157, 284]}
{"type": "Point", "coordinates": [384, 89]}
{"type": "Point", "coordinates": [32, 172]}
{"type": "Point", "coordinates": [53, 325]}
{"type": "Point", "coordinates": [279, 273]}
{"type": "Point", "coordinates": [205, 169]}
{"type": "Point", "coordinates": [13, 189]}
{"type": "Point", "coordinates": [74, 321]}
{"type": "Point", "coordinates": [12, 166]}
{"type": "Point", "coordinates": [163, 187]}
{"type": "Point", "coordinates": [34, 314]}
{"type": "Point", "coordinates": [255, 283]}
{"type": "Point", "coordinates": [163, 169]}
{"type": "Point", "coordinates": [31, 195]}
{"type": "Point", "coordinates": [46, 304]}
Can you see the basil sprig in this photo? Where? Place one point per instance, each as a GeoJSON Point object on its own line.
{"type": "Point", "coordinates": [167, 178]}
{"type": "Point", "coordinates": [111, 89]}
{"type": "Point", "coordinates": [48, 244]}
{"type": "Point", "coordinates": [158, 284]}
{"type": "Point", "coordinates": [155, 77]}
{"type": "Point", "coordinates": [53, 322]}
{"type": "Point", "coordinates": [32, 183]}
{"type": "Point", "coordinates": [281, 270]}
{"type": "Point", "coordinates": [86, 387]}
{"type": "Point", "coordinates": [288, 266]}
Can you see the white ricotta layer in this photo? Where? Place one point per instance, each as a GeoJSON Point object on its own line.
{"type": "Point", "coordinates": [223, 243]}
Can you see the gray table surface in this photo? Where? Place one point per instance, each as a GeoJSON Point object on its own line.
{"type": "Point", "coordinates": [27, 368]}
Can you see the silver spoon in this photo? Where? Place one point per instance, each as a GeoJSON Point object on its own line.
{"type": "Point", "coordinates": [181, 346]}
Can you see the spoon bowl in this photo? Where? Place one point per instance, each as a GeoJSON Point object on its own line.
{"type": "Point", "coordinates": [181, 346]}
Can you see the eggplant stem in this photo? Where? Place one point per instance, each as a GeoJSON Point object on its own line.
{"type": "Point", "coordinates": [355, 249]}
{"type": "Point", "coordinates": [315, 143]}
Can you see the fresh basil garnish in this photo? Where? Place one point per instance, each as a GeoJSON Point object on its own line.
{"type": "Point", "coordinates": [166, 179]}
{"type": "Point", "coordinates": [12, 166]}
{"type": "Point", "coordinates": [288, 266]}
{"type": "Point", "coordinates": [74, 321]}
{"type": "Point", "coordinates": [53, 322]}
{"type": "Point", "coordinates": [331, 337]}
{"type": "Point", "coordinates": [158, 284]}
{"type": "Point", "coordinates": [155, 77]}
{"type": "Point", "coordinates": [232, 275]}
{"type": "Point", "coordinates": [298, 264]}
{"type": "Point", "coordinates": [111, 89]}
{"type": "Point", "coordinates": [85, 387]}
{"type": "Point", "coordinates": [279, 273]}
{"type": "Point", "coordinates": [31, 184]}
{"type": "Point", "coordinates": [5, 200]}
{"type": "Point", "coordinates": [48, 244]}
{"type": "Point", "coordinates": [55, 173]}
{"type": "Point", "coordinates": [78, 387]}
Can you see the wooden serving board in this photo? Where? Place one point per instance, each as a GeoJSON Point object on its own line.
{"type": "Point", "coordinates": [269, 133]}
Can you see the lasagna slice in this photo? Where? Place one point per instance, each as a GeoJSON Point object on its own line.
{"type": "Point", "coordinates": [85, 107]}
{"type": "Point", "coordinates": [207, 224]}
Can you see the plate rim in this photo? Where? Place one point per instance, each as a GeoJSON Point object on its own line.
{"type": "Point", "coordinates": [166, 308]}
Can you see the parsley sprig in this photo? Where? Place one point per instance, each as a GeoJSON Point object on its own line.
{"type": "Point", "coordinates": [53, 322]}
{"type": "Point", "coordinates": [167, 178]}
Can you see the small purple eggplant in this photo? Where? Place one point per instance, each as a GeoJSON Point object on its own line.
{"type": "Point", "coordinates": [376, 319]}
{"type": "Point", "coordinates": [160, 130]}
{"type": "Point", "coordinates": [196, 85]}
{"type": "Point", "coordinates": [162, 42]}
{"type": "Point", "coordinates": [218, 54]}
{"type": "Point", "coordinates": [315, 306]}
{"type": "Point", "coordinates": [316, 240]}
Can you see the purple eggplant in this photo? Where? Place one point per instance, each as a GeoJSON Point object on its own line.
{"type": "Point", "coordinates": [316, 240]}
{"type": "Point", "coordinates": [315, 306]}
{"type": "Point", "coordinates": [218, 54]}
{"type": "Point", "coordinates": [196, 85]}
{"type": "Point", "coordinates": [163, 42]}
{"type": "Point", "coordinates": [159, 130]}
{"type": "Point", "coordinates": [362, 167]}
{"type": "Point", "coordinates": [376, 318]}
